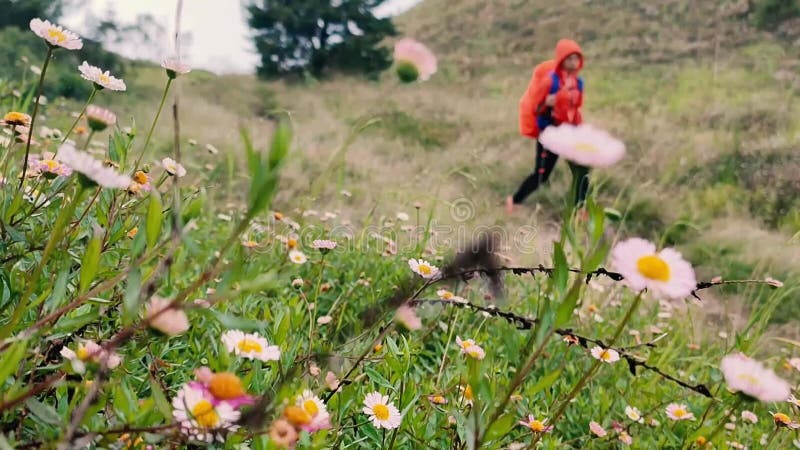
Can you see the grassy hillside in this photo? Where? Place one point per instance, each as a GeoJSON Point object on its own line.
{"type": "Point", "coordinates": [704, 102]}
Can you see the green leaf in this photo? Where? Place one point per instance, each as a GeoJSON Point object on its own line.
{"type": "Point", "coordinates": [376, 377]}
{"type": "Point", "coordinates": [560, 268]}
{"type": "Point", "coordinates": [568, 305]}
{"type": "Point", "coordinates": [72, 323]}
{"type": "Point", "coordinates": [4, 445]}
{"type": "Point", "coordinates": [280, 145]}
{"type": "Point", "coordinates": [544, 383]}
{"type": "Point", "coordinates": [233, 322]}
{"type": "Point", "coordinates": [90, 261]}
{"type": "Point", "coordinates": [501, 427]}
{"type": "Point", "coordinates": [43, 411]}
{"type": "Point", "coordinates": [154, 219]}
{"type": "Point", "coordinates": [161, 400]}
{"type": "Point", "coordinates": [130, 303]}
{"type": "Point", "coordinates": [11, 358]}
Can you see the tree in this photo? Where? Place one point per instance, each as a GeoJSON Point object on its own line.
{"type": "Point", "coordinates": [18, 13]}
{"type": "Point", "coordinates": [319, 36]}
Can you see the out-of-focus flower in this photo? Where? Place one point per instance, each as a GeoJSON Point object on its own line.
{"type": "Point", "coordinates": [597, 429]}
{"type": "Point", "coordinates": [283, 434]}
{"type": "Point", "coordinates": [55, 35]}
{"type": "Point", "coordinates": [90, 351]}
{"type": "Point", "coordinates": [323, 245]}
{"type": "Point", "coordinates": [50, 168]}
{"type": "Point", "coordinates": [324, 320]}
{"type": "Point", "coordinates": [625, 438]}
{"type": "Point", "coordinates": [406, 317]}
{"type": "Point", "coordinates": [437, 399]}
{"type": "Point", "coordinates": [99, 118]}
{"type": "Point", "coordinates": [170, 321]}
{"type": "Point", "coordinates": [664, 273]}
{"type": "Point", "coordinates": [175, 67]}
{"type": "Point", "coordinates": [414, 61]}
{"type": "Point", "coordinates": [173, 168]}
{"type": "Point", "coordinates": [101, 80]}
{"type": "Point", "coordinates": [93, 171]}
{"type": "Point", "coordinates": [331, 381]}
{"type": "Point", "coordinates": [223, 387]}
{"type": "Point", "coordinates": [535, 425]}
{"type": "Point", "coordinates": [444, 294]}
{"type": "Point", "coordinates": [583, 144]}
{"type": "Point", "coordinates": [140, 182]}
{"type": "Point", "coordinates": [677, 411]}
{"type": "Point", "coordinates": [250, 345]}
{"type": "Point", "coordinates": [297, 257]}
{"type": "Point", "coordinates": [423, 268]}
{"type": "Point", "coordinates": [634, 414]}
{"type": "Point", "coordinates": [132, 232]}
{"type": "Point", "coordinates": [773, 282]}
{"type": "Point", "coordinates": [199, 418]}
{"type": "Point", "coordinates": [469, 348]}
{"type": "Point", "coordinates": [606, 355]}
{"type": "Point", "coordinates": [316, 409]}
{"type": "Point", "coordinates": [15, 118]}
{"type": "Point", "coordinates": [751, 378]}
{"type": "Point", "coordinates": [749, 416]}
{"type": "Point", "coordinates": [783, 420]}
{"type": "Point", "coordinates": [466, 394]}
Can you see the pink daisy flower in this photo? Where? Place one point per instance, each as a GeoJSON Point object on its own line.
{"type": "Point", "coordinates": [751, 378]}
{"type": "Point", "coordinates": [583, 144]}
{"type": "Point", "coordinates": [414, 60]}
{"type": "Point", "coordinates": [664, 272]}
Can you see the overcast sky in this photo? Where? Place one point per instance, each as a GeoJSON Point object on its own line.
{"type": "Point", "coordinates": [219, 34]}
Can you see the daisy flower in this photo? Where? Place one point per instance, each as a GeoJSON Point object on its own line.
{"type": "Point", "coordinates": [381, 412]}
{"type": "Point", "coordinates": [634, 414]}
{"type": "Point", "coordinates": [444, 294]}
{"type": "Point", "coordinates": [174, 67]}
{"type": "Point", "coordinates": [316, 409]}
{"type": "Point", "coordinates": [140, 182]}
{"type": "Point", "coordinates": [468, 347]}
{"type": "Point", "coordinates": [665, 273]}
{"type": "Point", "coordinates": [331, 381]}
{"type": "Point", "coordinates": [414, 61]}
{"type": "Point", "coordinates": [250, 346]}
{"type": "Point", "coordinates": [297, 257]}
{"type": "Point", "coordinates": [423, 268]}
{"type": "Point", "coordinates": [437, 399]}
{"type": "Point", "coordinates": [783, 420]}
{"type": "Point", "coordinates": [751, 378]}
{"type": "Point", "coordinates": [324, 320]}
{"type": "Point", "coordinates": [323, 245]}
{"type": "Point", "coordinates": [407, 317]}
{"type": "Point", "coordinates": [606, 355]}
{"type": "Point", "coordinates": [584, 145]}
{"type": "Point", "coordinates": [99, 118]}
{"type": "Point", "coordinates": [173, 168]}
{"type": "Point", "coordinates": [283, 434]}
{"type": "Point", "coordinates": [170, 321]}
{"type": "Point", "coordinates": [14, 119]}
{"type": "Point", "coordinates": [101, 80]}
{"type": "Point", "coordinates": [55, 35]}
{"type": "Point", "coordinates": [537, 426]}
{"type": "Point", "coordinates": [749, 416]}
{"type": "Point", "coordinates": [93, 171]}
{"type": "Point", "coordinates": [677, 411]}
{"type": "Point", "coordinates": [625, 438]}
{"type": "Point", "coordinates": [199, 418]}
{"type": "Point", "coordinates": [223, 387]}
{"type": "Point", "coordinates": [597, 429]}
{"type": "Point", "coordinates": [50, 168]}
{"type": "Point", "coordinates": [90, 351]}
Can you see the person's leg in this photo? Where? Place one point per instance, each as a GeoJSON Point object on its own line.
{"type": "Point", "coordinates": [545, 162]}
{"type": "Point", "coordinates": [580, 182]}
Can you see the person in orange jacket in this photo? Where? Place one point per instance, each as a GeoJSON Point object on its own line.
{"type": "Point", "coordinates": [554, 96]}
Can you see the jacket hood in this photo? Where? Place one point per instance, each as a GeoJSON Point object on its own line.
{"type": "Point", "coordinates": [564, 48]}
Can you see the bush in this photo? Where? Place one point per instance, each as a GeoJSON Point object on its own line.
{"type": "Point", "coordinates": [771, 13]}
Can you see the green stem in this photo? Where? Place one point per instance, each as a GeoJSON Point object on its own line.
{"type": "Point", "coordinates": [723, 421]}
{"type": "Point", "coordinates": [78, 119]}
{"type": "Point", "coordinates": [153, 126]}
{"type": "Point", "coordinates": [33, 116]}
{"type": "Point", "coordinates": [88, 140]}
{"type": "Point", "coordinates": [55, 237]}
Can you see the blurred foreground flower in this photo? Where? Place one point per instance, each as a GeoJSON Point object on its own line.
{"type": "Point", "coordinates": [93, 171]}
{"type": "Point", "coordinates": [406, 317]}
{"type": "Point", "coordinates": [199, 418]}
{"type": "Point", "coordinates": [282, 434]}
{"type": "Point", "coordinates": [783, 420]}
{"type": "Point", "coordinates": [664, 273]}
{"type": "Point", "coordinates": [584, 145]}
{"type": "Point", "coordinates": [597, 429]}
{"type": "Point", "coordinates": [101, 80]}
{"type": "Point", "coordinates": [90, 351]}
{"type": "Point", "coordinates": [751, 378]}
{"type": "Point", "coordinates": [381, 412]}
{"type": "Point", "coordinates": [170, 321]}
{"type": "Point", "coordinates": [223, 387]}
{"type": "Point", "coordinates": [250, 346]}
{"type": "Point", "coordinates": [413, 61]}
{"type": "Point", "coordinates": [55, 35]}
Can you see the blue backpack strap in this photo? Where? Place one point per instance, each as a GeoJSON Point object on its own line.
{"type": "Point", "coordinates": [580, 84]}
{"type": "Point", "coordinates": [556, 82]}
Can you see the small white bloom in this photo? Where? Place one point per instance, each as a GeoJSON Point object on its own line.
{"type": "Point", "coordinates": [173, 168]}
{"type": "Point", "coordinates": [381, 412]}
{"type": "Point", "coordinates": [101, 79]}
{"type": "Point", "coordinates": [634, 414]}
{"type": "Point", "coordinates": [91, 168]}
{"type": "Point", "coordinates": [55, 35]}
{"type": "Point", "coordinates": [423, 268]}
{"type": "Point", "coordinates": [297, 257]}
{"type": "Point", "coordinates": [606, 355]}
{"type": "Point", "coordinates": [250, 346]}
{"type": "Point", "coordinates": [175, 67]}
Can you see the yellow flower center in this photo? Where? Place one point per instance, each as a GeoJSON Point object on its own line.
{"type": "Point", "coordinates": [297, 416]}
{"type": "Point", "coordinates": [424, 269]}
{"type": "Point", "coordinates": [82, 353]}
{"type": "Point", "coordinates": [679, 412]}
{"type": "Point", "coordinates": [748, 378]}
{"type": "Point", "coordinates": [133, 231]}
{"type": "Point", "coordinates": [586, 147]}
{"type": "Point", "coordinates": [311, 407]}
{"type": "Point", "coordinates": [51, 164]}
{"type": "Point", "coordinates": [381, 412]}
{"type": "Point", "coordinates": [468, 393]}
{"type": "Point", "coordinates": [605, 356]}
{"type": "Point", "coordinates": [17, 118]}
{"type": "Point", "coordinates": [103, 78]}
{"type": "Point", "coordinates": [291, 243]}
{"type": "Point", "coordinates": [536, 425]}
{"type": "Point", "coordinates": [466, 344]}
{"type": "Point", "coordinates": [140, 177]}
{"type": "Point", "coordinates": [377, 348]}
{"type": "Point", "coordinates": [226, 386]}
{"type": "Point", "coordinates": [447, 295]}
{"type": "Point", "coordinates": [249, 345]}
{"type": "Point", "coordinates": [700, 441]}
{"type": "Point", "coordinates": [781, 418]}
{"type": "Point", "coordinates": [653, 267]}
{"type": "Point", "coordinates": [438, 399]}
{"type": "Point", "coordinates": [205, 415]}
{"type": "Point", "coordinates": [474, 352]}
{"type": "Point", "coordinates": [56, 34]}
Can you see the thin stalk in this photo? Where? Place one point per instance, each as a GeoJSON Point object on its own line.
{"type": "Point", "coordinates": [78, 119]}
{"type": "Point", "coordinates": [88, 140]}
{"type": "Point", "coordinates": [33, 116]}
{"type": "Point", "coordinates": [153, 126]}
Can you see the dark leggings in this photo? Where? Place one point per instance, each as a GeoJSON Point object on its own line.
{"type": "Point", "coordinates": [545, 163]}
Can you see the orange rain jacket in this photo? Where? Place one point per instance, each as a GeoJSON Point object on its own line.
{"type": "Point", "coordinates": [549, 78]}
